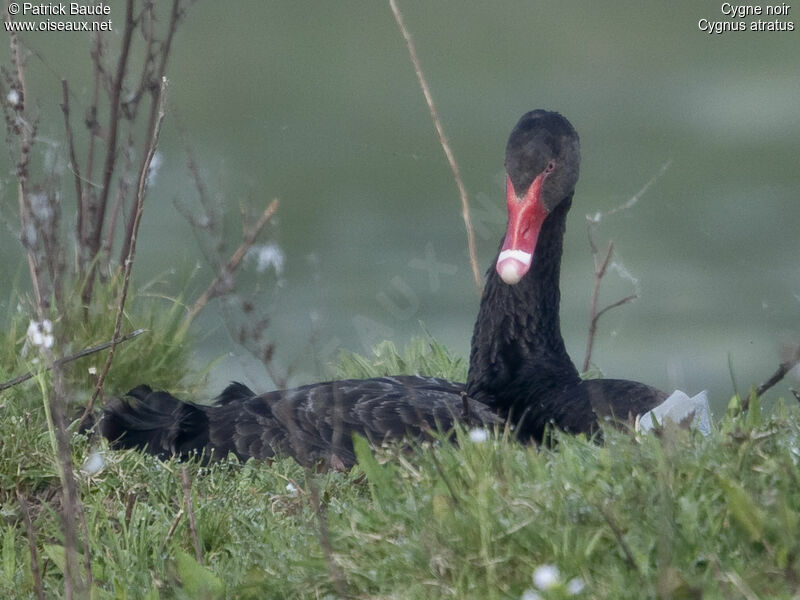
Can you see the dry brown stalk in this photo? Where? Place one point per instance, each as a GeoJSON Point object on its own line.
{"type": "Point", "coordinates": [600, 270]}
{"type": "Point", "coordinates": [186, 484]}
{"type": "Point", "coordinates": [437, 123]}
{"type": "Point", "coordinates": [96, 206]}
{"type": "Point", "coordinates": [337, 579]}
{"type": "Point", "coordinates": [601, 267]}
{"type": "Point", "coordinates": [128, 264]}
{"type": "Point", "coordinates": [226, 271]}
{"type": "Point", "coordinates": [35, 567]}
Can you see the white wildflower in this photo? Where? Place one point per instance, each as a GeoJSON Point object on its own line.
{"type": "Point", "coordinates": [291, 488]}
{"type": "Point", "coordinates": [478, 435]}
{"type": "Point", "coordinates": [575, 586]}
{"type": "Point", "coordinates": [13, 98]}
{"type": "Point", "coordinates": [546, 577]}
{"type": "Point", "coordinates": [40, 334]}
{"type": "Point", "coordinates": [266, 256]}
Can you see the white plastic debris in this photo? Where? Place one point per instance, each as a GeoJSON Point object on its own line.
{"type": "Point", "coordinates": [679, 408]}
{"type": "Point", "coordinates": [93, 464]}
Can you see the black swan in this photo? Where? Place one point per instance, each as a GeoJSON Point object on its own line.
{"type": "Point", "coordinates": [519, 370]}
{"type": "Point", "coordinates": [518, 363]}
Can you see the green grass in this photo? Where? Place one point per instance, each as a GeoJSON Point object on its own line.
{"type": "Point", "coordinates": [674, 515]}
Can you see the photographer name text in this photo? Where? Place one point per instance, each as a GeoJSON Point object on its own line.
{"type": "Point", "coordinates": [66, 9]}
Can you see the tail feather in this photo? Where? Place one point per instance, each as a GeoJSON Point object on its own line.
{"type": "Point", "coordinates": [156, 422]}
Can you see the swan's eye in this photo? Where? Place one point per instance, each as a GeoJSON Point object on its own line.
{"type": "Point", "coordinates": [550, 167]}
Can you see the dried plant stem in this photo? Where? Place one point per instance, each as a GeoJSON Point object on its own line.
{"type": "Point", "coordinates": [225, 272]}
{"type": "Point", "coordinates": [601, 267]}
{"type": "Point", "coordinates": [437, 123]}
{"type": "Point", "coordinates": [600, 270]}
{"type": "Point", "coordinates": [25, 135]}
{"type": "Point", "coordinates": [97, 206]}
{"type": "Point", "coordinates": [173, 527]}
{"type": "Point", "coordinates": [70, 504]}
{"type": "Point", "coordinates": [186, 484]}
{"type": "Point", "coordinates": [337, 579]}
{"type": "Point", "coordinates": [159, 74]}
{"type": "Point", "coordinates": [36, 572]}
{"type": "Point", "coordinates": [128, 265]}
{"type": "Point", "coordinates": [68, 359]}
{"type": "Point", "coordinates": [620, 537]}
{"type": "Point", "coordinates": [73, 161]}
{"type": "Point", "coordinates": [791, 361]}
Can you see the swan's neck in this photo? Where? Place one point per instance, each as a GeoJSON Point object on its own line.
{"type": "Point", "coordinates": [517, 341]}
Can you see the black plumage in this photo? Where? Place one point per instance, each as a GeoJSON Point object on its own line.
{"type": "Point", "coordinates": [519, 370]}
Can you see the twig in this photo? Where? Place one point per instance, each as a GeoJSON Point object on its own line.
{"type": "Point", "coordinates": [24, 131]}
{"type": "Point", "coordinates": [337, 579]}
{"type": "Point", "coordinates": [792, 360]}
{"type": "Point", "coordinates": [97, 210]}
{"type": "Point", "coordinates": [638, 195]}
{"type": "Point", "coordinates": [462, 191]}
{"type": "Point", "coordinates": [600, 270]}
{"type": "Point", "coordinates": [620, 537]}
{"type": "Point", "coordinates": [35, 568]}
{"type": "Point", "coordinates": [173, 527]}
{"type": "Point", "coordinates": [68, 359]}
{"type": "Point", "coordinates": [187, 495]}
{"type": "Point", "coordinates": [140, 193]}
{"type": "Point", "coordinates": [70, 504]}
{"type": "Point", "coordinates": [165, 47]}
{"type": "Point", "coordinates": [214, 289]}
{"type": "Point", "coordinates": [73, 161]}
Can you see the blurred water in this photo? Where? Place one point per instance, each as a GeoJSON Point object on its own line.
{"type": "Point", "coordinates": [317, 104]}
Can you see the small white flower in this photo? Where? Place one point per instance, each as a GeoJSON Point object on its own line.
{"type": "Point", "coordinates": [13, 98]}
{"type": "Point", "coordinates": [478, 435]}
{"type": "Point", "coordinates": [575, 586]}
{"type": "Point", "coordinates": [92, 370]}
{"type": "Point", "coordinates": [266, 256]}
{"type": "Point", "coordinates": [40, 334]}
{"type": "Point", "coordinates": [291, 488]}
{"type": "Point", "coordinates": [546, 577]}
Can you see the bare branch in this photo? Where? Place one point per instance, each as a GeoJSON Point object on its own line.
{"type": "Point", "coordinates": [97, 207]}
{"type": "Point", "coordinates": [186, 484]}
{"type": "Point", "coordinates": [638, 195]}
{"type": "Point", "coordinates": [73, 161]}
{"type": "Point", "coordinates": [600, 270]}
{"type": "Point", "coordinates": [337, 579]}
{"type": "Point", "coordinates": [36, 572]}
{"type": "Point", "coordinates": [175, 17]}
{"type": "Point", "coordinates": [140, 193]}
{"type": "Point", "coordinates": [462, 191]}
{"type": "Point", "coordinates": [227, 270]}
{"type": "Point", "coordinates": [792, 360]}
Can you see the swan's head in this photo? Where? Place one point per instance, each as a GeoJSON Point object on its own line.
{"type": "Point", "coordinates": [542, 164]}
